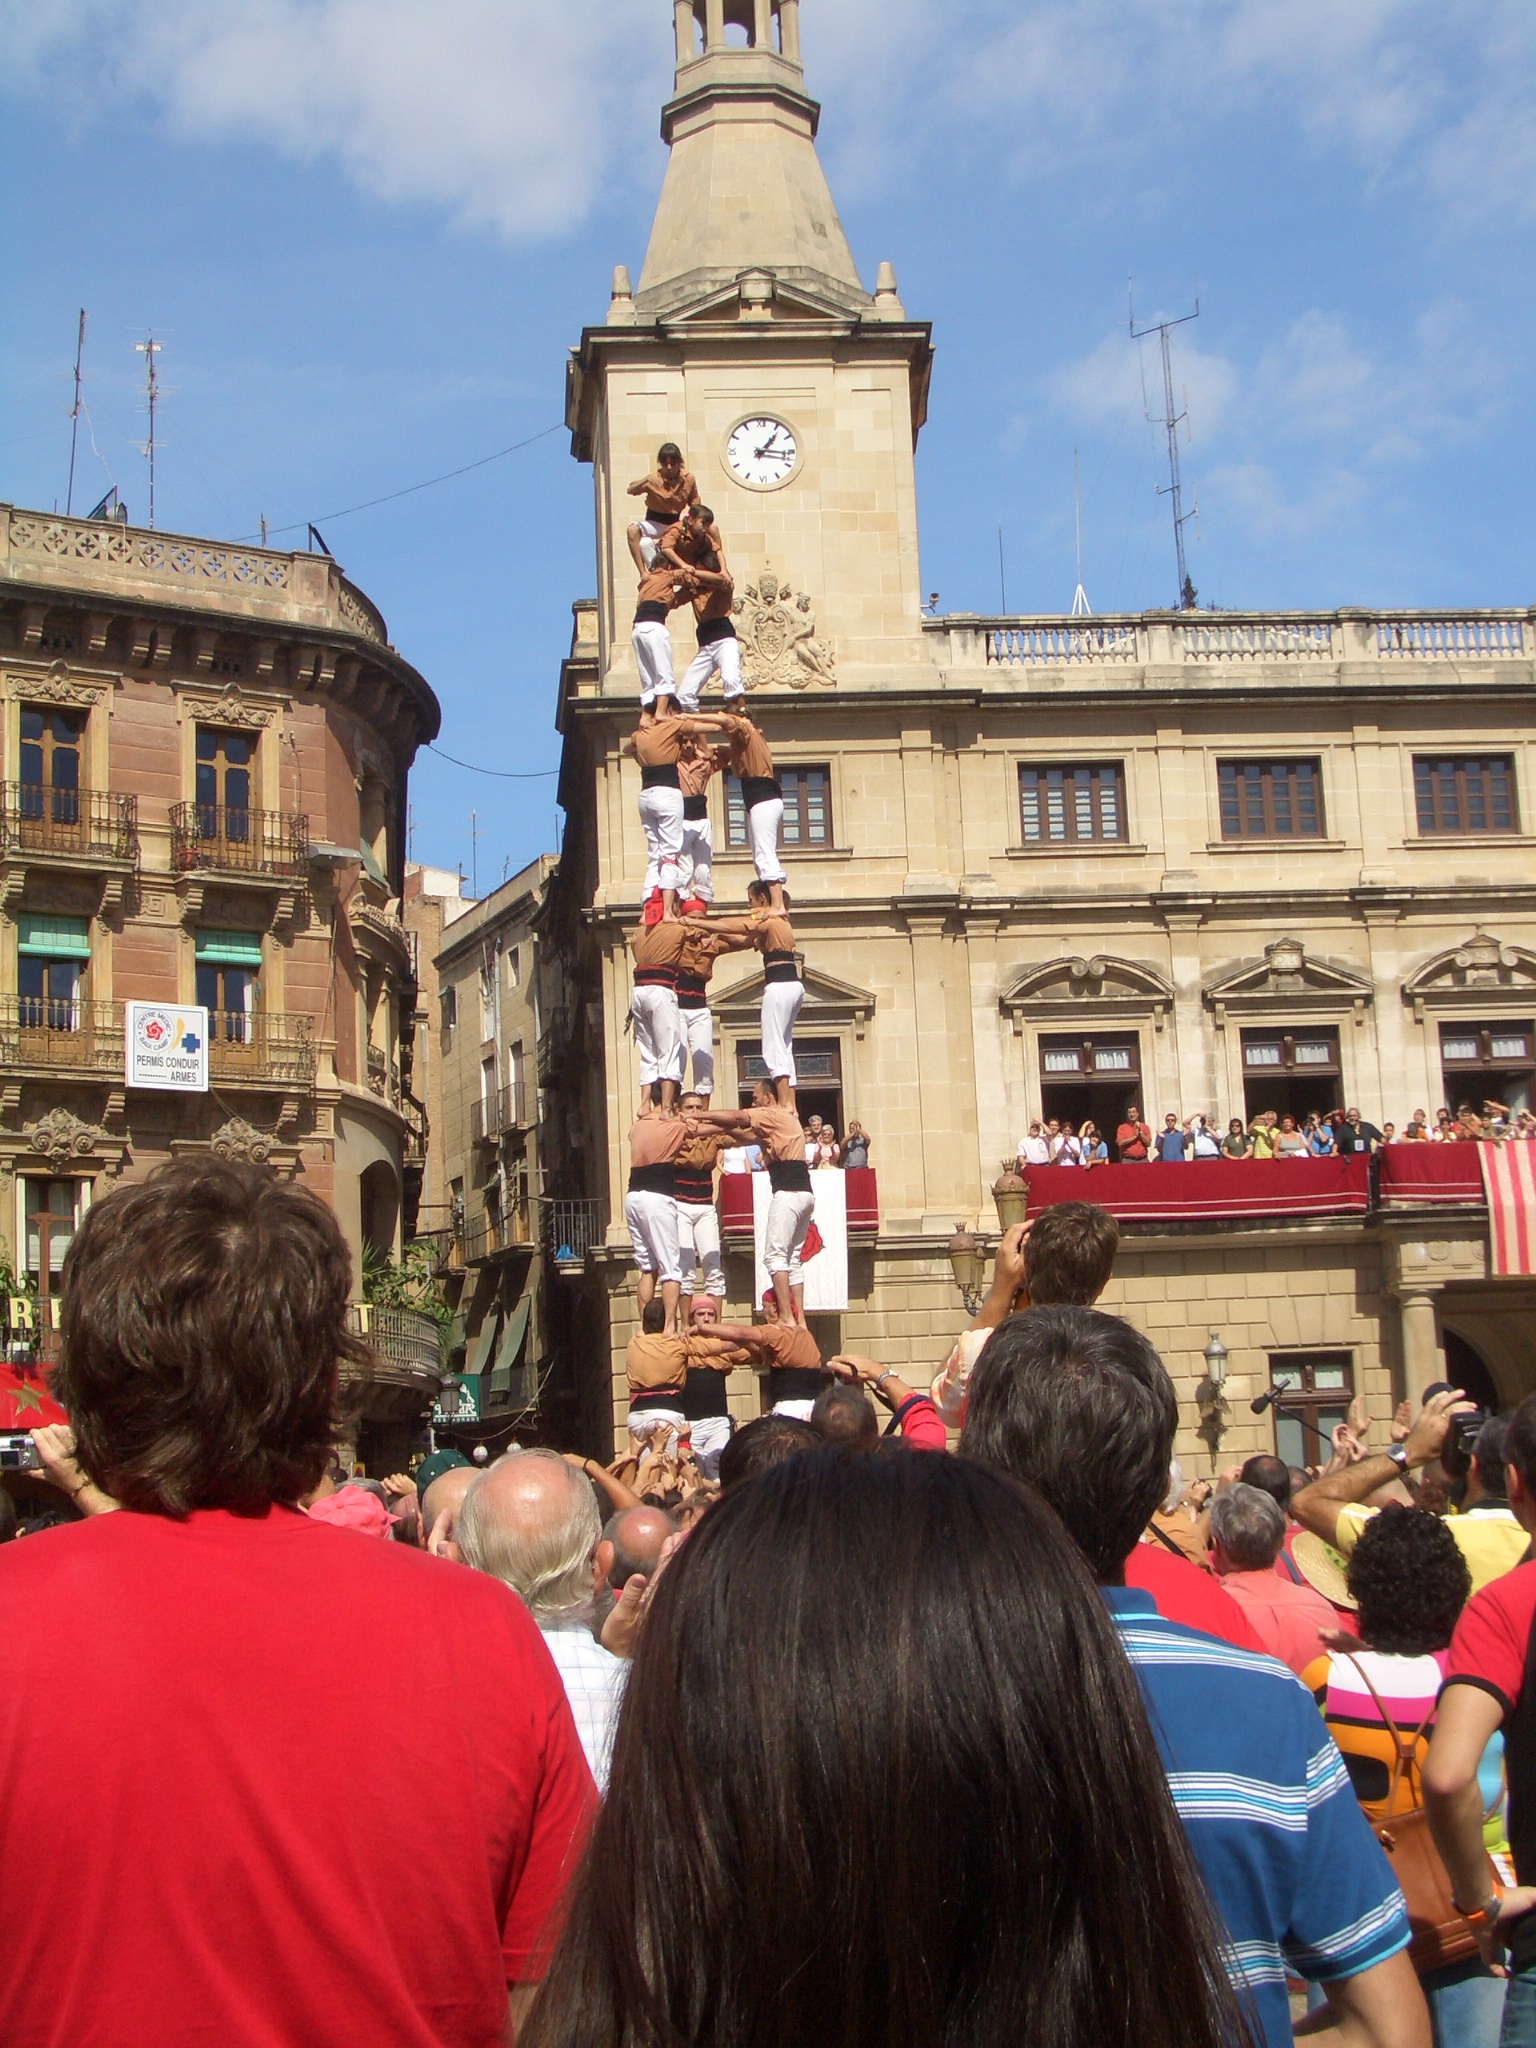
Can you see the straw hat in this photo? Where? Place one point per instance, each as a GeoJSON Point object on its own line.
{"type": "Point", "coordinates": [1323, 1569]}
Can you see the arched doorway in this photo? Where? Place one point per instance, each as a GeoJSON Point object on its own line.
{"type": "Point", "coordinates": [379, 1203]}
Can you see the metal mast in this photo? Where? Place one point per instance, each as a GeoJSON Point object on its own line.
{"type": "Point", "coordinates": [74, 418]}
{"type": "Point", "coordinates": [149, 350]}
{"type": "Point", "coordinates": [1171, 421]}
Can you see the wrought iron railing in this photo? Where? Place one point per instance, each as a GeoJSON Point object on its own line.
{"type": "Point", "coordinates": [241, 842]}
{"type": "Point", "coordinates": [555, 1046]}
{"type": "Point", "coordinates": [264, 1046]}
{"type": "Point", "coordinates": [93, 824]}
{"type": "Point", "coordinates": [61, 1035]}
{"type": "Point", "coordinates": [495, 1115]}
{"type": "Point", "coordinates": [404, 1337]}
{"type": "Point", "coordinates": [572, 1228]}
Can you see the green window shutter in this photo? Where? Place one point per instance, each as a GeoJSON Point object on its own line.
{"type": "Point", "coordinates": [228, 949]}
{"type": "Point", "coordinates": [53, 937]}
{"type": "Point", "coordinates": [511, 1344]}
{"type": "Point", "coordinates": [480, 1351]}
{"type": "Point", "coordinates": [370, 861]}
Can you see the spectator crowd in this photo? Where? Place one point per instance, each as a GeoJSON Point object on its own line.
{"type": "Point", "coordinates": [934, 1707]}
{"type": "Point", "coordinates": [1331, 1134]}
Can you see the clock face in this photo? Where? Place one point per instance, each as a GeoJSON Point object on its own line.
{"type": "Point", "coordinates": [762, 453]}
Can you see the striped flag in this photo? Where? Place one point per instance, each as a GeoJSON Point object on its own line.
{"type": "Point", "coordinates": [1509, 1181]}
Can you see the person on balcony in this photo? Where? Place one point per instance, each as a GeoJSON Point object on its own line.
{"type": "Point", "coordinates": [1203, 1142]}
{"type": "Point", "coordinates": [1035, 1150]}
{"type": "Point", "coordinates": [1065, 1149]}
{"type": "Point", "coordinates": [856, 1147]}
{"type": "Point", "coordinates": [1262, 1133]}
{"type": "Point", "coordinates": [1133, 1138]}
{"type": "Point", "coordinates": [1236, 1144]}
{"type": "Point", "coordinates": [1290, 1143]}
{"type": "Point", "coordinates": [1172, 1141]}
{"type": "Point", "coordinates": [1091, 1148]}
{"type": "Point", "coordinates": [1351, 1135]}
{"type": "Point", "coordinates": [1319, 1136]}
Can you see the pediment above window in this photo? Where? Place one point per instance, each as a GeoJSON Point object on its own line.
{"type": "Point", "coordinates": [1288, 978]}
{"type": "Point", "coordinates": [1062, 988]}
{"type": "Point", "coordinates": [1468, 975]}
{"type": "Point", "coordinates": [828, 1001]}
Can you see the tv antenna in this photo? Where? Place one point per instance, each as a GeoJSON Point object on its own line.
{"type": "Point", "coordinates": [74, 419]}
{"type": "Point", "coordinates": [149, 350]}
{"type": "Point", "coordinates": [1081, 608]}
{"type": "Point", "coordinates": [1170, 422]}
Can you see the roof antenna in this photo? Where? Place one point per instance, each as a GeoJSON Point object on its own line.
{"type": "Point", "coordinates": [1171, 421]}
{"type": "Point", "coordinates": [149, 350]}
{"type": "Point", "coordinates": [74, 418]}
{"type": "Point", "coordinates": [1081, 608]}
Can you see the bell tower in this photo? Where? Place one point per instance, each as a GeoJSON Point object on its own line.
{"type": "Point", "coordinates": [751, 329]}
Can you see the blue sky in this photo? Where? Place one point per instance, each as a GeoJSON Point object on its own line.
{"type": "Point", "coordinates": [368, 230]}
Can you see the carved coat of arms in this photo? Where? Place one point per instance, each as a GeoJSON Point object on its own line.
{"type": "Point", "coordinates": [778, 637]}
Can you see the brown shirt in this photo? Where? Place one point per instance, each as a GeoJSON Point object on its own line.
{"type": "Point", "coordinates": [717, 602]}
{"type": "Point", "coordinates": [700, 1154]}
{"type": "Point", "coordinates": [660, 745]}
{"type": "Point", "coordinates": [781, 1135]}
{"type": "Point", "coordinates": [789, 1344]}
{"type": "Point", "coordinates": [658, 945]}
{"type": "Point", "coordinates": [654, 1363]}
{"type": "Point", "coordinates": [773, 934]}
{"type": "Point", "coordinates": [749, 750]}
{"type": "Point", "coordinates": [659, 586]}
{"type": "Point", "coordinates": [657, 1140]}
{"type": "Point", "coordinates": [694, 771]}
{"type": "Point", "coordinates": [670, 501]}
{"type": "Point", "coordinates": [701, 950]}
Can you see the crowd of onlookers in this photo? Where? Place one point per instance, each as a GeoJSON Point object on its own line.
{"type": "Point", "coordinates": [823, 1148]}
{"type": "Point", "coordinates": [1268, 1135]}
{"type": "Point", "coordinates": [858, 1741]}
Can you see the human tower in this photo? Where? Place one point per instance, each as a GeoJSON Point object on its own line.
{"type": "Point", "coordinates": [675, 1145]}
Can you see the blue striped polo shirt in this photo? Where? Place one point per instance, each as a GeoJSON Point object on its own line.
{"type": "Point", "coordinates": [1293, 1870]}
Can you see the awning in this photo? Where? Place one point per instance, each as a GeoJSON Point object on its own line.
{"type": "Point", "coordinates": [480, 1349]}
{"type": "Point", "coordinates": [511, 1345]}
{"type": "Point", "coordinates": [53, 937]}
{"type": "Point", "coordinates": [228, 949]}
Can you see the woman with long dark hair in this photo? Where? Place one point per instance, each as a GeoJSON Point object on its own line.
{"type": "Point", "coordinates": [883, 1776]}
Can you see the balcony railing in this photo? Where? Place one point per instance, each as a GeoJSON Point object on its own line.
{"type": "Point", "coordinates": [264, 1047]}
{"type": "Point", "coordinates": [490, 1236]}
{"type": "Point", "coordinates": [571, 1229]}
{"type": "Point", "coordinates": [497, 1115]}
{"type": "Point", "coordinates": [61, 1036]}
{"type": "Point", "coordinates": [1212, 640]}
{"type": "Point", "coordinates": [88, 824]}
{"type": "Point", "coordinates": [404, 1337]}
{"type": "Point", "coordinates": [221, 840]}
{"type": "Point", "coordinates": [555, 1046]}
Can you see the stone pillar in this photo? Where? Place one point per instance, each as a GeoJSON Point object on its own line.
{"type": "Point", "coordinates": [683, 9]}
{"type": "Point", "coordinates": [789, 29]}
{"type": "Point", "coordinates": [1423, 1359]}
{"type": "Point", "coordinates": [762, 24]}
{"type": "Point", "coordinates": [714, 24]}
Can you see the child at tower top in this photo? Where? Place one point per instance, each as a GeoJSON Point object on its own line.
{"type": "Point", "coordinates": [668, 491]}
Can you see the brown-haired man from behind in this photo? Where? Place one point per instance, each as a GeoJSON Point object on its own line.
{"type": "Point", "coordinates": [206, 1665]}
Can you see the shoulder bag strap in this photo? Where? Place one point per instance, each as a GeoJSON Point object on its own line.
{"type": "Point", "coordinates": [1407, 1750]}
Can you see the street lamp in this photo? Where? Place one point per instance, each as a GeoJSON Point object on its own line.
{"type": "Point", "coordinates": [968, 1263]}
{"type": "Point", "coordinates": [1216, 1355]}
{"type": "Point", "coordinates": [1010, 1191]}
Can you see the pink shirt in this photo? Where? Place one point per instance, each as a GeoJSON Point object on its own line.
{"type": "Point", "coordinates": [1286, 1618]}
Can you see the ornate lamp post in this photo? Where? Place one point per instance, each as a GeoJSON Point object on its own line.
{"type": "Point", "coordinates": [968, 1263]}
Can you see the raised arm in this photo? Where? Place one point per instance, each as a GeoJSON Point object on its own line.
{"type": "Point", "coordinates": [1317, 1506]}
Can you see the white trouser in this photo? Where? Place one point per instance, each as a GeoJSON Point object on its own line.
{"type": "Point", "coordinates": [647, 1423]}
{"type": "Point", "coordinates": [781, 1006]}
{"type": "Point", "coordinates": [799, 1411]}
{"type": "Point", "coordinates": [724, 655]}
{"type": "Point", "coordinates": [652, 527]}
{"type": "Point", "coordinates": [789, 1218]}
{"type": "Point", "coordinates": [652, 1220]}
{"type": "Point", "coordinates": [763, 823]}
{"type": "Point", "coordinates": [661, 813]}
{"type": "Point", "coordinates": [696, 868]}
{"type": "Point", "coordinates": [710, 1436]}
{"type": "Point", "coordinates": [698, 1246]}
{"type": "Point", "coordinates": [658, 1034]}
{"type": "Point", "coordinates": [698, 1042]}
{"type": "Point", "coordinates": [652, 642]}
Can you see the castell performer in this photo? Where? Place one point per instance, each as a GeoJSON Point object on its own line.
{"type": "Point", "coordinates": [699, 763]}
{"type": "Point", "coordinates": [780, 1134]}
{"type": "Point", "coordinates": [762, 797]}
{"type": "Point", "coordinates": [698, 1220]}
{"type": "Point", "coordinates": [769, 932]}
{"type": "Point", "coordinates": [662, 590]}
{"type": "Point", "coordinates": [695, 549]}
{"type": "Point", "coordinates": [668, 492]}
{"type": "Point", "coordinates": [796, 1374]}
{"type": "Point", "coordinates": [658, 747]}
{"type": "Point", "coordinates": [702, 946]}
{"type": "Point", "coordinates": [657, 947]}
{"type": "Point", "coordinates": [650, 1207]}
{"type": "Point", "coordinates": [657, 1364]}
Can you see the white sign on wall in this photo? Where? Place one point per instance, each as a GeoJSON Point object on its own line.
{"type": "Point", "coordinates": [167, 1046]}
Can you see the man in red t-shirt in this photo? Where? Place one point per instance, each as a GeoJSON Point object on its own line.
{"type": "Point", "coordinates": [219, 1719]}
{"type": "Point", "coordinates": [1490, 1684]}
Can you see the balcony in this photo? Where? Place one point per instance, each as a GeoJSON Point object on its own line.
{"type": "Point", "coordinates": [409, 1358]}
{"type": "Point", "coordinates": [491, 1237]}
{"type": "Point", "coordinates": [571, 1229]}
{"type": "Point", "coordinates": [861, 1199]}
{"type": "Point", "coordinates": [498, 1116]}
{"type": "Point", "coordinates": [86, 831]}
{"type": "Point", "coordinates": [264, 1049]}
{"type": "Point", "coordinates": [555, 1047]}
{"type": "Point", "coordinates": [211, 838]}
{"type": "Point", "coordinates": [61, 1039]}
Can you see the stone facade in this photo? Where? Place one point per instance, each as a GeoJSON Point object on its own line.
{"type": "Point", "coordinates": [203, 760]}
{"type": "Point", "coordinates": [1209, 844]}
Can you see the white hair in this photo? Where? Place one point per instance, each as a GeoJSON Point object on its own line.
{"type": "Point", "coordinates": [1249, 1524]}
{"type": "Point", "coordinates": [1175, 1491]}
{"type": "Point", "coordinates": [543, 1553]}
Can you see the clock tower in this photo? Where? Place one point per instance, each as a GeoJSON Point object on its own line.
{"type": "Point", "coordinates": [795, 394]}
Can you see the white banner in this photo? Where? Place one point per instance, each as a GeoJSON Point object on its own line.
{"type": "Point", "coordinates": [166, 1046]}
{"type": "Point", "coordinates": [826, 1275]}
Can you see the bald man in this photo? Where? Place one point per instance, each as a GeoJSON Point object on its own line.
{"type": "Point", "coordinates": [630, 1547]}
{"type": "Point", "coordinates": [439, 1509]}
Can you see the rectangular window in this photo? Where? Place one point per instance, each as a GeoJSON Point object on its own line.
{"type": "Point", "coordinates": [1292, 1073]}
{"type": "Point", "coordinates": [1318, 1387]}
{"type": "Point", "coordinates": [224, 784]}
{"type": "Point", "coordinates": [515, 1101]}
{"type": "Point", "coordinates": [807, 807]}
{"type": "Point", "coordinates": [1461, 793]}
{"type": "Point", "coordinates": [1270, 799]}
{"type": "Point", "coordinates": [1063, 804]}
{"type": "Point", "coordinates": [1489, 1063]}
{"type": "Point", "coordinates": [819, 1090]}
{"type": "Point", "coordinates": [1090, 1080]}
{"type": "Point", "coordinates": [54, 954]}
{"type": "Point", "coordinates": [228, 977]}
{"type": "Point", "coordinates": [51, 745]}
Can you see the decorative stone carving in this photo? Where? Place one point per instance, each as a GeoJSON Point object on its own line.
{"type": "Point", "coordinates": [237, 1139]}
{"type": "Point", "coordinates": [229, 706]}
{"type": "Point", "coordinates": [61, 1138]}
{"type": "Point", "coordinates": [1290, 977]}
{"type": "Point", "coordinates": [778, 636]}
{"type": "Point", "coordinates": [1465, 977]}
{"type": "Point", "coordinates": [1060, 988]}
{"type": "Point", "coordinates": [56, 686]}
